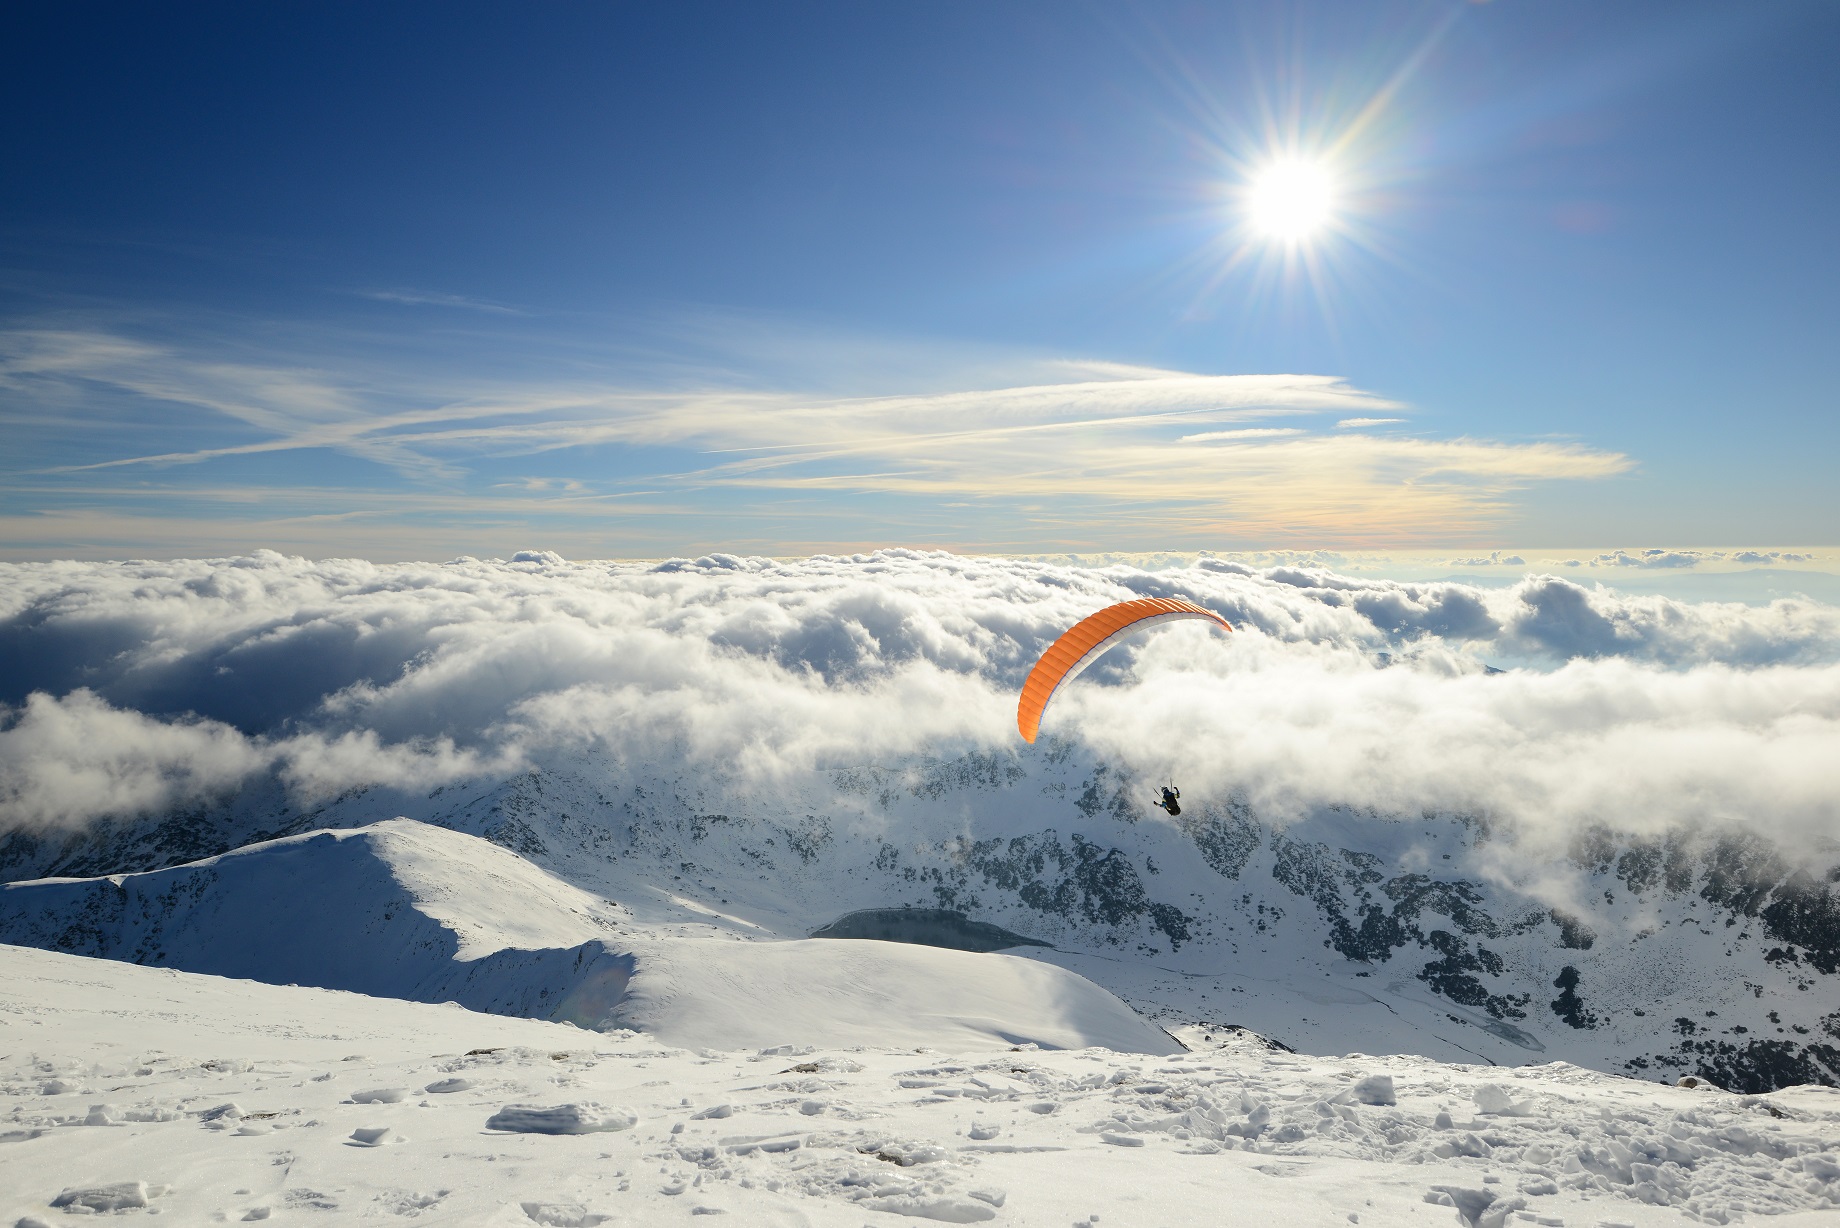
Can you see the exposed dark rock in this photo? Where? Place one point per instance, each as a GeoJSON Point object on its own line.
{"type": "Point", "coordinates": [1573, 932]}
{"type": "Point", "coordinates": [1594, 849]}
{"type": "Point", "coordinates": [1106, 793]}
{"type": "Point", "coordinates": [991, 770]}
{"type": "Point", "coordinates": [1457, 900]}
{"type": "Point", "coordinates": [1668, 863]}
{"type": "Point", "coordinates": [517, 835]}
{"type": "Point", "coordinates": [1740, 872]}
{"type": "Point", "coordinates": [1761, 1065]}
{"type": "Point", "coordinates": [808, 838]}
{"type": "Point", "coordinates": [1453, 976]}
{"type": "Point", "coordinates": [1310, 870]}
{"type": "Point", "coordinates": [1225, 836]}
{"type": "Point", "coordinates": [1375, 939]}
{"type": "Point", "coordinates": [932, 779]}
{"type": "Point", "coordinates": [1807, 913]}
{"type": "Point", "coordinates": [18, 848]}
{"type": "Point", "coordinates": [1330, 878]}
{"type": "Point", "coordinates": [1099, 886]}
{"type": "Point", "coordinates": [1569, 1006]}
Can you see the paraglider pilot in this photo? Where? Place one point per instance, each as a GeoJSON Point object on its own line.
{"type": "Point", "coordinates": [1168, 800]}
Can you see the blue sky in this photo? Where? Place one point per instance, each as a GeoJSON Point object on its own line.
{"type": "Point", "coordinates": [412, 280]}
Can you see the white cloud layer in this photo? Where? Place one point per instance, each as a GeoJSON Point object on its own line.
{"type": "Point", "coordinates": [142, 686]}
{"type": "Point", "coordinates": [1658, 559]}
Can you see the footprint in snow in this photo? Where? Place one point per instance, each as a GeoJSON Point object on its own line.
{"type": "Point", "coordinates": [380, 1095]}
{"type": "Point", "coordinates": [374, 1136]}
{"type": "Point", "coordinates": [563, 1215]}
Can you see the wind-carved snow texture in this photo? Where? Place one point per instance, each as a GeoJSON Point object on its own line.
{"type": "Point", "coordinates": [211, 1100]}
{"type": "Point", "coordinates": [1618, 853]}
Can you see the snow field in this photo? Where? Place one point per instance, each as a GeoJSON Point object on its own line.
{"type": "Point", "coordinates": [212, 1100]}
{"type": "Point", "coordinates": [723, 993]}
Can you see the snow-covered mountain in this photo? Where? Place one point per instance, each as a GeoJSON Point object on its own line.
{"type": "Point", "coordinates": [1618, 853]}
{"type": "Point", "coordinates": [404, 910]}
{"type": "Point", "coordinates": [1338, 933]}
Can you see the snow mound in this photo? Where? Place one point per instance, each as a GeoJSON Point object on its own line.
{"type": "Point", "coordinates": [727, 994]}
{"type": "Point", "coordinates": [584, 1118]}
{"type": "Point", "coordinates": [121, 1196]}
{"type": "Point", "coordinates": [403, 909]}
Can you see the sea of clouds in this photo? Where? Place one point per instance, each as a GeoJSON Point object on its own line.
{"type": "Point", "coordinates": [132, 688]}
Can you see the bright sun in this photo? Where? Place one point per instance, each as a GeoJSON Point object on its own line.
{"type": "Point", "coordinates": [1291, 200]}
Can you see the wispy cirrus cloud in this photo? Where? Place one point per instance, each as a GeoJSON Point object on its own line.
{"type": "Point", "coordinates": [429, 298]}
{"type": "Point", "coordinates": [1250, 432]}
{"type": "Point", "coordinates": [260, 407]}
{"type": "Point", "coordinates": [1305, 486]}
{"type": "Point", "coordinates": [1071, 452]}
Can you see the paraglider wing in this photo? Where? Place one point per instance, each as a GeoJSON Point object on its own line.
{"type": "Point", "coordinates": [1087, 641]}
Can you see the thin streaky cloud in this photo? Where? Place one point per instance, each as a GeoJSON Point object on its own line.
{"type": "Point", "coordinates": [424, 298]}
{"type": "Point", "coordinates": [1251, 432]}
{"type": "Point", "coordinates": [310, 413]}
{"type": "Point", "coordinates": [1116, 370]}
{"type": "Point", "coordinates": [1355, 487]}
{"type": "Point", "coordinates": [1347, 423]}
{"type": "Point", "coordinates": [1097, 448]}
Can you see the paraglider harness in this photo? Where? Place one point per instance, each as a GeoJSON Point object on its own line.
{"type": "Point", "coordinates": [1168, 800]}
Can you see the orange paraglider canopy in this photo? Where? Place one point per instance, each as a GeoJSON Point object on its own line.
{"type": "Point", "coordinates": [1087, 641]}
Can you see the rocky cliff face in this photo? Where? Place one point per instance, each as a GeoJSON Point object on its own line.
{"type": "Point", "coordinates": [1705, 953]}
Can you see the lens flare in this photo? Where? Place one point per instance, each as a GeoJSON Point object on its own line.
{"type": "Point", "coordinates": [1291, 200]}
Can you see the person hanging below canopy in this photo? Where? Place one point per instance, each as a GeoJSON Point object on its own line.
{"type": "Point", "coordinates": [1088, 640]}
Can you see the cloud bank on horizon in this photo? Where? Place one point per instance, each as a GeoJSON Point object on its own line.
{"type": "Point", "coordinates": [134, 688]}
{"type": "Point", "coordinates": [134, 446]}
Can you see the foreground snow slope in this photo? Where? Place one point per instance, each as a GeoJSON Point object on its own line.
{"type": "Point", "coordinates": [404, 910]}
{"type": "Point", "coordinates": [213, 1100]}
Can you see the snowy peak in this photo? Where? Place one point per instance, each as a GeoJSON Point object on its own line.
{"type": "Point", "coordinates": [488, 897]}
{"type": "Point", "coordinates": [1427, 933]}
{"type": "Point", "coordinates": [405, 910]}
{"type": "Point", "coordinates": [357, 909]}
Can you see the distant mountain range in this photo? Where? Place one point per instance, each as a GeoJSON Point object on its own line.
{"type": "Point", "coordinates": [1351, 931]}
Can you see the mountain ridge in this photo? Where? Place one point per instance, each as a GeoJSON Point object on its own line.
{"type": "Point", "coordinates": [1708, 954]}
{"type": "Point", "coordinates": [406, 910]}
